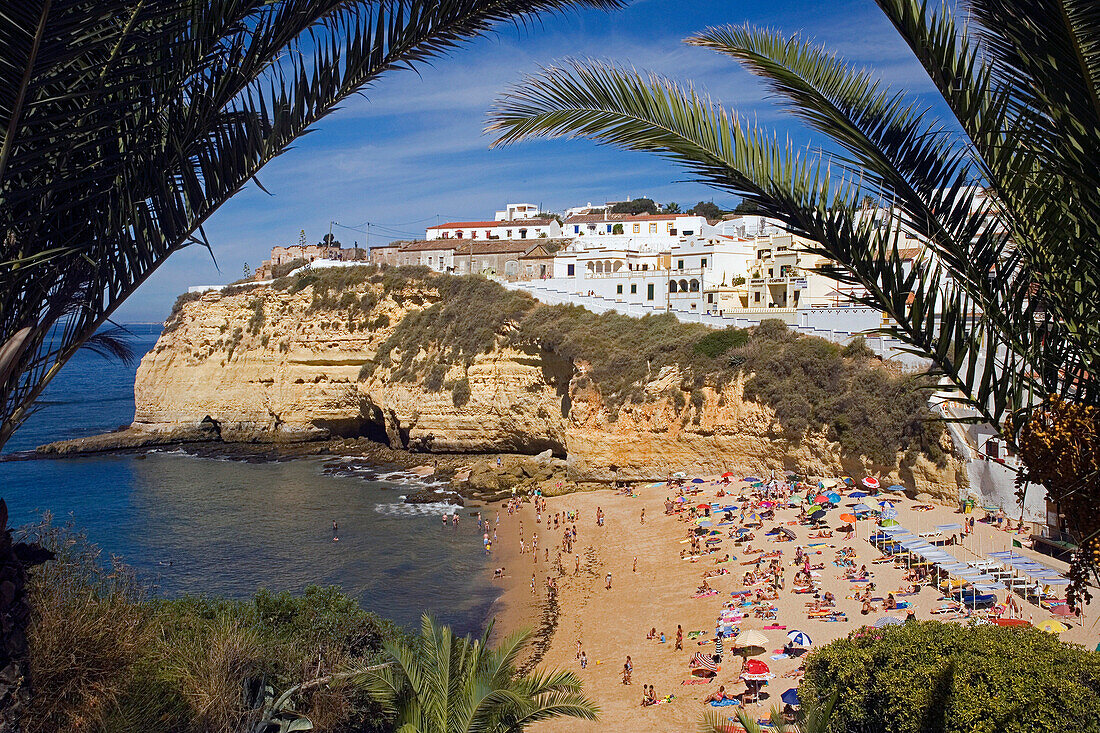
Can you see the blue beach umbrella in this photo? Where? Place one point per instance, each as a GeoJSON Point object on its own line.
{"type": "Point", "coordinates": [790, 697]}
{"type": "Point", "coordinates": [833, 497]}
{"type": "Point", "coordinates": [799, 638]}
{"type": "Point", "coordinates": [698, 481]}
{"type": "Point", "coordinates": [750, 479]}
{"type": "Point", "coordinates": [857, 494]}
{"type": "Point", "coordinates": [861, 508]}
{"type": "Point", "coordinates": [895, 487]}
{"type": "Point", "coordinates": [889, 513]}
{"type": "Point", "coordinates": [886, 504]}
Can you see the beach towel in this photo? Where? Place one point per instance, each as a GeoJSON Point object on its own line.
{"type": "Point", "coordinates": [774, 626]}
{"type": "Point", "coordinates": [705, 595]}
{"type": "Point", "coordinates": [695, 681]}
{"type": "Point", "coordinates": [781, 656]}
{"type": "Point", "coordinates": [725, 703]}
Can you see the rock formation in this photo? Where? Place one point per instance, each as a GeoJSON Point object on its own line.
{"type": "Point", "coordinates": [265, 364]}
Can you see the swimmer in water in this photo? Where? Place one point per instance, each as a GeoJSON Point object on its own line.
{"type": "Point", "coordinates": [335, 538]}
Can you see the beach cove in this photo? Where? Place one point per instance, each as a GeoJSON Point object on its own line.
{"type": "Point", "coordinates": [663, 592]}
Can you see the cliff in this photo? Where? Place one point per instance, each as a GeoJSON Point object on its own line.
{"type": "Point", "coordinates": [452, 365]}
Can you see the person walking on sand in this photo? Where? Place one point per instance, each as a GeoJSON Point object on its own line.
{"type": "Point", "coordinates": [609, 581]}
{"type": "Point", "coordinates": [584, 660]}
{"type": "Point", "coordinates": [577, 569]}
{"type": "Point", "coordinates": [679, 637]}
{"type": "Point", "coordinates": [635, 563]}
{"type": "Point", "coordinates": [643, 515]}
{"type": "Point", "coordinates": [533, 591]}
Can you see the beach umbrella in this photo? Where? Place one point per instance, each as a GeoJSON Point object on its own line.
{"type": "Point", "coordinates": [750, 479]}
{"type": "Point", "coordinates": [886, 504]}
{"type": "Point", "coordinates": [752, 638]}
{"type": "Point", "coordinates": [790, 697]}
{"type": "Point", "coordinates": [817, 515]}
{"type": "Point", "coordinates": [889, 513]}
{"type": "Point", "coordinates": [848, 518]}
{"type": "Point", "coordinates": [799, 638]}
{"type": "Point", "coordinates": [888, 621]}
{"type": "Point", "coordinates": [857, 494]}
{"type": "Point", "coordinates": [743, 530]}
{"type": "Point", "coordinates": [833, 497]}
{"type": "Point", "coordinates": [888, 523]}
{"type": "Point", "coordinates": [704, 522]}
{"type": "Point", "coordinates": [756, 670]}
{"type": "Point", "coordinates": [702, 506]}
{"type": "Point", "coordinates": [679, 474]}
{"type": "Point", "coordinates": [895, 487]}
{"type": "Point", "coordinates": [698, 481]}
{"type": "Point", "coordinates": [727, 474]}
{"type": "Point", "coordinates": [827, 483]}
{"type": "Point", "coordinates": [813, 508]}
{"type": "Point", "coordinates": [681, 499]}
{"type": "Point", "coordinates": [1052, 626]}
{"type": "Point", "coordinates": [821, 499]}
{"type": "Point", "coordinates": [702, 665]}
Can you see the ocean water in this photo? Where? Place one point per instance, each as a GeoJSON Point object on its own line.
{"type": "Point", "coordinates": [223, 527]}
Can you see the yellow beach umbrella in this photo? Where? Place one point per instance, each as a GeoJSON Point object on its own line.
{"type": "Point", "coordinates": [1052, 626]}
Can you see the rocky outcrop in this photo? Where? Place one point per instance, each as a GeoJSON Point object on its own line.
{"type": "Point", "coordinates": [267, 365]}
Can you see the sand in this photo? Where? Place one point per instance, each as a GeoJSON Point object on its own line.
{"type": "Point", "coordinates": [611, 624]}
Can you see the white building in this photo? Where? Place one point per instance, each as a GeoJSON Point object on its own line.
{"type": "Point", "coordinates": [516, 212]}
{"type": "Point", "coordinates": [515, 229]}
{"type": "Point", "coordinates": [660, 227]}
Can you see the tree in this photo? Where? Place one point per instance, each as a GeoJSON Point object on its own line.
{"type": "Point", "coordinates": [746, 207]}
{"type": "Point", "coordinates": [635, 206]}
{"type": "Point", "coordinates": [932, 676]}
{"type": "Point", "coordinates": [125, 125]}
{"type": "Point", "coordinates": [440, 683]}
{"type": "Point", "coordinates": [672, 208]}
{"type": "Point", "coordinates": [1006, 198]}
{"type": "Point", "coordinates": [811, 718]}
{"type": "Point", "coordinates": [617, 229]}
{"type": "Point", "coordinates": [708, 209]}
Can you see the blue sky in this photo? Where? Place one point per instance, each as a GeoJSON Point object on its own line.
{"type": "Point", "coordinates": [413, 150]}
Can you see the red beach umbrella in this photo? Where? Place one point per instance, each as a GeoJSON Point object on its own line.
{"type": "Point", "coordinates": [756, 670]}
{"type": "Point", "coordinates": [821, 499]}
{"type": "Point", "coordinates": [727, 474]}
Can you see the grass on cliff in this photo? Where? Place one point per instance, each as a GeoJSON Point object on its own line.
{"type": "Point", "coordinates": [107, 657]}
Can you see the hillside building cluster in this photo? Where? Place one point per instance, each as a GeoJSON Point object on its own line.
{"type": "Point", "coordinates": [678, 262]}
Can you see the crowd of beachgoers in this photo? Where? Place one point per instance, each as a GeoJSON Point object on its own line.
{"type": "Point", "coordinates": [711, 590]}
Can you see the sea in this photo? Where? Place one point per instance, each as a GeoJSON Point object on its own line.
{"type": "Point", "coordinates": [221, 527]}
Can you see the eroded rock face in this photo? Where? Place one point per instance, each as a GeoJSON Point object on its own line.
{"type": "Point", "coordinates": [271, 366]}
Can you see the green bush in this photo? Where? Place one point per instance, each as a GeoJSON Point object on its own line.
{"type": "Point", "coordinates": [716, 343]}
{"type": "Point", "coordinates": [256, 320]}
{"type": "Point", "coordinates": [931, 677]}
{"type": "Point", "coordinates": [460, 392]}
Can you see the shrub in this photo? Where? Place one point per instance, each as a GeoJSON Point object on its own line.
{"type": "Point", "coordinates": [716, 343]}
{"type": "Point", "coordinates": [256, 320]}
{"type": "Point", "coordinates": [286, 268]}
{"type": "Point", "coordinates": [460, 392]}
{"type": "Point", "coordinates": [173, 321]}
{"type": "Point", "coordinates": [857, 348]}
{"type": "Point", "coordinates": [931, 676]}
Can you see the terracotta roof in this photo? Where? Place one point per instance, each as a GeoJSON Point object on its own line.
{"type": "Point", "coordinates": [477, 224]}
{"type": "Point", "coordinates": [434, 244]}
{"type": "Point", "coordinates": [493, 246]}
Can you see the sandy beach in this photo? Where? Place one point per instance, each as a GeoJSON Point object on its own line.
{"type": "Point", "coordinates": [612, 624]}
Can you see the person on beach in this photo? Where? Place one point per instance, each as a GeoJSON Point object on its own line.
{"type": "Point", "coordinates": [533, 591]}
{"type": "Point", "coordinates": [718, 696]}
{"type": "Point", "coordinates": [628, 670]}
{"type": "Point", "coordinates": [679, 637]}
{"type": "Point", "coordinates": [609, 581]}
{"type": "Point", "coordinates": [577, 569]}
{"type": "Point", "coordinates": [584, 660]}
{"type": "Point", "coordinates": [643, 515]}
{"type": "Point", "coordinates": [635, 563]}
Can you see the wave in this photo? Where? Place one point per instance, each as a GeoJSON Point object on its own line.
{"type": "Point", "coordinates": [434, 509]}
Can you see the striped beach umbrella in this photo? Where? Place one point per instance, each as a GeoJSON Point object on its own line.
{"type": "Point", "coordinates": [799, 638]}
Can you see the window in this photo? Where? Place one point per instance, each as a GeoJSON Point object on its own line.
{"type": "Point", "coordinates": [756, 297]}
{"type": "Point", "coordinates": [576, 228]}
{"type": "Point", "coordinates": [771, 272]}
{"type": "Point", "coordinates": [693, 286]}
{"type": "Point", "coordinates": [672, 286]}
{"type": "Point", "coordinates": [459, 234]}
{"type": "Point", "coordinates": [637, 228]}
{"type": "Point", "coordinates": [608, 228]}
{"type": "Point", "coordinates": [509, 234]}
{"type": "Point", "coordinates": [429, 260]}
{"type": "Point", "coordinates": [703, 262]}
{"type": "Point", "coordinates": [488, 234]}
{"type": "Point", "coordinates": [649, 292]}
{"type": "Point", "coordinates": [710, 297]}
{"type": "Point", "coordinates": [653, 228]}
{"type": "Point", "coordinates": [679, 264]}
{"type": "Point", "coordinates": [570, 269]}
{"type": "Point", "coordinates": [669, 228]}
{"type": "Point", "coordinates": [618, 289]}
{"type": "Point", "coordinates": [689, 232]}
{"type": "Point", "coordinates": [645, 267]}
{"type": "Point", "coordinates": [633, 288]}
